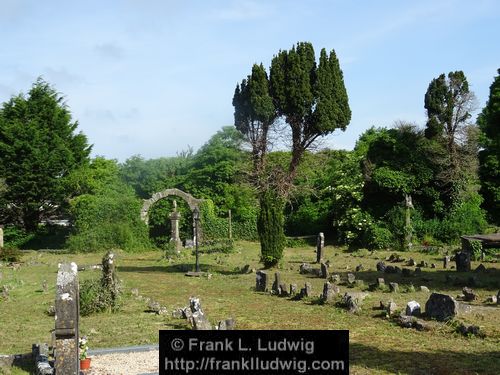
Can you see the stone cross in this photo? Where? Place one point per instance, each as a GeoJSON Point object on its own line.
{"type": "Point", "coordinates": [175, 217]}
{"type": "Point", "coordinates": [320, 244]}
{"type": "Point", "coordinates": [67, 320]}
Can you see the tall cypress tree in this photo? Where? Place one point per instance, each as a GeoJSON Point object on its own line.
{"type": "Point", "coordinates": [312, 100]}
{"type": "Point", "coordinates": [489, 156]}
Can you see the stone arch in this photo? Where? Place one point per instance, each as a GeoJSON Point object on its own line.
{"type": "Point", "coordinates": [190, 200]}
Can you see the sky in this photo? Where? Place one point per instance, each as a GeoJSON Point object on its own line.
{"type": "Point", "coordinates": [155, 77]}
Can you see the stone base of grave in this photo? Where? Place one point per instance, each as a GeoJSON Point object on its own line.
{"type": "Point", "coordinates": [196, 274]}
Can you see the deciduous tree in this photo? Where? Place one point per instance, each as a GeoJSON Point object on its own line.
{"type": "Point", "coordinates": [489, 156]}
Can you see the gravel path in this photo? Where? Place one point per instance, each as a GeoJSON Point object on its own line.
{"type": "Point", "coordinates": [136, 363]}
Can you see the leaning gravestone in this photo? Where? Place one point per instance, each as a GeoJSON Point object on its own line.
{"type": "Point", "coordinates": [67, 320]}
{"type": "Point", "coordinates": [320, 244]}
{"type": "Point", "coordinates": [324, 271]}
{"type": "Point", "coordinates": [261, 281]}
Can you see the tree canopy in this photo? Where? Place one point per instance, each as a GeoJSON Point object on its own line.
{"type": "Point", "coordinates": [38, 151]}
{"type": "Point", "coordinates": [489, 156]}
{"type": "Point", "coordinates": [312, 100]}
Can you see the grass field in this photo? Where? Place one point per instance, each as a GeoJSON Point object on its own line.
{"type": "Point", "coordinates": [377, 346]}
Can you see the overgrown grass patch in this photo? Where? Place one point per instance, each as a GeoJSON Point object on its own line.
{"type": "Point", "coordinates": [377, 346]}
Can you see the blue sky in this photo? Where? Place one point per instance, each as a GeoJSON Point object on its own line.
{"type": "Point", "coordinates": [152, 77]}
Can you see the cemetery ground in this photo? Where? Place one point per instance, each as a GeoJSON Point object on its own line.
{"type": "Point", "coordinates": [377, 344]}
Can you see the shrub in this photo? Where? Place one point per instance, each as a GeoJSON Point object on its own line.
{"type": "Point", "coordinates": [101, 295]}
{"type": "Point", "coordinates": [217, 228]}
{"type": "Point", "coordinates": [16, 237]}
{"type": "Point", "coordinates": [270, 227]}
{"type": "Point", "coordinates": [110, 219]}
{"type": "Point", "coordinates": [93, 297]}
{"type": "Point", "coordinates": [10, 254]}
{"type": "Point", "coordinates": [379, 238]}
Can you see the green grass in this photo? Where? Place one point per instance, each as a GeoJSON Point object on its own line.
{"type": "Point", "coordinates": [377, 346]}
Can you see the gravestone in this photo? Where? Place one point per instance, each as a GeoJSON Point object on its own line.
{"type": "Point", "coordinates": [413, 308]}
{"type": "Point", "coordinates": [462, 259]}
{"type": "Point", "coordinates": [394, 287]}
{"type": "Point", "coordinates": [441, 307]}
{"type": "Point", "coordinates": [261, 281]}
{"type": "Point", "coordinates": [350, 278]}
{"type": "Point", "coordinates": [320, 244]}
{"type": "Point", "coordinates": [469, 294]}
{"type": "Point", "coordinates": [446, 262]}
{"type": "Point", "coordinates": [324, 271]}
{"type": "Point", "coordinates": [277, 283]}
{"type": "Point", "coordinates": [1, 236]}
{"type": "Point", "coordinates": [306, 291]}
{"type": "Point", "coordinates": [329, 292]}
{"type": "Point", "coordinates": [67, 320]}
{"type": "Point", "coordinates": [293, 289]}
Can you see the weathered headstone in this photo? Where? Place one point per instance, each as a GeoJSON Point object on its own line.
{"type": "Point", "coordinates": [394, 287]}
{"type": "Point", "coordinates": [446, 262]}
{"type": "Point", "coordinates": [67, 320]}
{"type": "Point", "coordinates": [198, 319]}
{"type": "Point", "coordinates": [324, 271]}
{"type": "Point", "coordinates": [353, 300]}
{"type": "Point", "coordinates": [261, 281]}
{"type": "Point", "coordinates": [462, 259]}
{"type": "Point", "coordinates": [277, 283]}
{"type": "Point", "coordinates": [380, 282]}
{"type": "Point", "coordinates": [423, 288]}
{"type": "Point", "coordinates": [329, 292]}
{"type": "Point", "coordinates": [293, 289]}
{"type": "Point", "coordinates": [306, 291]}
{"type": "Point", "coordinates": [226, 325]}
{"type": "Point", "coordinates": [1, 236]}
{"type": "Point", "coordinates": [413, 308]}
{"type": "Point", "coordinates": [381, 266]}
{"type": "Point", "coordinates": [350, 278]}
{"type": "Point", "coordinates": [469, 294]}
{"type": "Point", "coordinates": [480, 268]}
{"type": "Point", "coordinates": [305, 269]}
{"type": "Point", "coordinates": [441, 307]}
{"type": "Point", "coordinates": [390, 307]}
{"type": "Point", "coordinates": [320, 244]}
{"type": "Point", "coordinates": [283, 290]}
{"type": "Point", "coordinates": [40, 354]}
{"type": "Point", "coordinates": [335, 278]}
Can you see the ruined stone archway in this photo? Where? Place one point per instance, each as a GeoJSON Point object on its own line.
{"type": "Point", "coordinates": [190, 200]}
